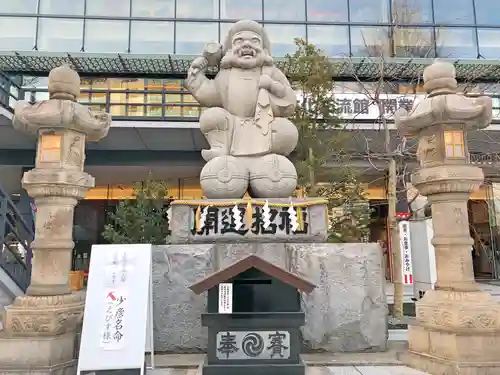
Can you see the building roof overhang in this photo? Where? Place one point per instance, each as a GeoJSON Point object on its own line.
{"type": "Point", "coordinates": [348, 68]}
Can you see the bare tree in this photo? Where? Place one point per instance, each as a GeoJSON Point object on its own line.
{"type": "Point", "coordinates": [380, 44]}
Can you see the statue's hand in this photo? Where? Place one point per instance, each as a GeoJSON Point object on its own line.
{"type": "Point", "coordinates": [265, 82]}
{"type": "Point", "coordinates": [198, 65]}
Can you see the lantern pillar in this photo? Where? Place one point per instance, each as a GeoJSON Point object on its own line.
{"type": "Point", "coordinates": [40, 327]}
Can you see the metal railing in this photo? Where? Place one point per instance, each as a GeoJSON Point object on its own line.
{"type": "Point", "coordinates": [15, 239]}
{"type": "Point", "coordinates": [135, 105]}
{"type": "Point", "coordinates": [10, 92]}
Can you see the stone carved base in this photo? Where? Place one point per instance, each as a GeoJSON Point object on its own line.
{"type": "Point", "coordinates": [31, 316]}
{"type": "Point", "coordinates": [459, 311]}
{"type": "Point", "coordinates": [38, 355]}
{"type": "Point", "coordinates": [455, 333]}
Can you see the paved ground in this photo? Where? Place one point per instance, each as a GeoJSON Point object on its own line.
{"type": "Point", "coordinates": [385, 363]}
{"type": "Point", "coordinates": [387, 358]}
{"type": "Point", "coordinates": [319, 370]}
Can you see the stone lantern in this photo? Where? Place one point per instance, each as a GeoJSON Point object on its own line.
{"type": "Point", "coordinates": [40, 326]}
{"type": "Point", "coordinates": [457, 326]}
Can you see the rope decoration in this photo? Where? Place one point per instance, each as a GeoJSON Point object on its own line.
{"type": "Point", "coordinates": [295, 210]}
{"type": "Point", "coordinates": [247, 201]}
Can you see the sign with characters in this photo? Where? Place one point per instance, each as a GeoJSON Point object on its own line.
{"type": "Point", "coordinates": [405, 244]}
{"type": "Point", "coordinates": [117, 323]}
{"type": "Point", "coordinates": [360, 106]}
{"type": "Point", "coordinates": [253, 345]}
{"type": "Point", "coordinates": [225, 298]}
{"type": "Point", "coordinates": [263, 220]}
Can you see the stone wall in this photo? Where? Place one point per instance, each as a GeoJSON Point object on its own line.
{"type": "Point", "coordinates": [346, 312]}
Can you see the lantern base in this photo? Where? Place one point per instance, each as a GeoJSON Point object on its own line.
{"type": "Point", "coordinates": [40, 355]}
{"type": "Point", "coordinates": [456, 333]}
{"type": "Point", "coordinates": [266, 368]}
{"type": "Point", "coordinates": [437, 366]}
{"type": "Point", "coordinates": [33, 316]}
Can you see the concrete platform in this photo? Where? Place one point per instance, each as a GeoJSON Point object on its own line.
{"type": "Point", "coordinates": [387, 358]}
{"type": "Point", "coordinates": [318, 370]}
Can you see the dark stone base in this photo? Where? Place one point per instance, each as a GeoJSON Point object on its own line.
{"type": "Point", "coordinates": [253, 369]}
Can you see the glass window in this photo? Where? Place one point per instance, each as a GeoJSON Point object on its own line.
{"type": "Point", "coordinates": [456, 42]}
{"type": "Point", "coordinates": [173, 109]}
{"type": "Point", "coordinates": [282, 38]}
{"type": "Point", "coordinates": [153, 8]}
{"type": "Point", "coordinates": [73, 7]}
{"type": "Point", "coordinates": [192, 110]}
{"type": "Point", "coordinates": [198, 9]}
{"type": "Point", "coordinates": [17, 34]}
{"type": "Point", "coordinates": [488, 12]}
{"type": "Point", "coordinates": [191, 37]}
{"type": "Point", "coordinates": [238, 10]}
{"type": "Point", "coordinates": [370, 41]}
{"type": "Point", "coordinates": [489, 43]}
{"type": "Point", "coordinates": [333, 40]}
{"type": "Point", "coordinates": [407, 12]}
{"type": "Point", "coordinates": [284, 10]}
{"type": "Point", "coordinates": [224, 30]}
{"type": "Point", "coordinates": [152, 37]}
{"type": "Point", "coordinates": [413, 42]}
{"type": "Point", "coordinates": [50, 37]}
{"type": "Point", "coordinates": [327, 10]}
{"type": "Point", "coordinates": [454, 144]}
{"type": "Point", "coordinates": [369, 10]}
{"type": "Point", "coordinates": [98, 37]}
{"type": "Point", "coordinates": [453, 11]}
{"type": "Point", "coordinates": [18, 6]}
{"type": "Point", "coordinates": [116, 8]}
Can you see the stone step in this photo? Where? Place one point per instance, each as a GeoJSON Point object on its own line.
{"type": "Point", "coordinates": [318, 370]}
{"type": "Point", "coordinates": [387, 358]}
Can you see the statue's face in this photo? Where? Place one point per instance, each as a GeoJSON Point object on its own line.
{"type": "Point", "coordinates": [247, 46]}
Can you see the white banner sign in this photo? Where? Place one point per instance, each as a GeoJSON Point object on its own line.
{"type": "Point", "coordinates": [362, 107]}
{"type": "Point", "coordinates": [225, 298]}
{"type": "Point", "coordinates": [405, 245]}
{"type": "Point", "coordinates": [117, 324]}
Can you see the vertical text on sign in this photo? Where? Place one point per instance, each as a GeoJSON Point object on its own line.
{"type": "Point", "coordinates": [405, 244]}
{"type": "Point", "coordinates": [117, 271]}
{"type": "Point", "coordinates": [225, 298]}
{"type": "Point", "coordinates": [112, 336]}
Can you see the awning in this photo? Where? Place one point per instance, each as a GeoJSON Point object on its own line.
{"type": "Point", "coordinates": [368, 68]}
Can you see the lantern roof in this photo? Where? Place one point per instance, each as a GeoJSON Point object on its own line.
{"type": "Point", "coordinates": [443, 105]}
{"type": "Point", "coordinates": [253, 261]}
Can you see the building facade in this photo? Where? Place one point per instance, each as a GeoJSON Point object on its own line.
{"type": "Point", "coordinates": [132, 56]}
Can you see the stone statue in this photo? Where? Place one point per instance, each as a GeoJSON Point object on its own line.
{"type": "Point", "coordinates": [246, 123]}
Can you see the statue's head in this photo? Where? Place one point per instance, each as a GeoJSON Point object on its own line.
{"type": "Point", "coordinates": [246, 46]}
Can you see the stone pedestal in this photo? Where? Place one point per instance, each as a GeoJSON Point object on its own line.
{"type": "Point", "coordinates": [39, 333]}
{"type": "Point", "coordinates": [457, 326]}
{"type": "Point", "coordinates": [40, 355]}
{"type": "Point", "coordinates": [456, 333]}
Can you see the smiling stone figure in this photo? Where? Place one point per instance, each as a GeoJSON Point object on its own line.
{"type": "Point", "coordinates": [245, 124]}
